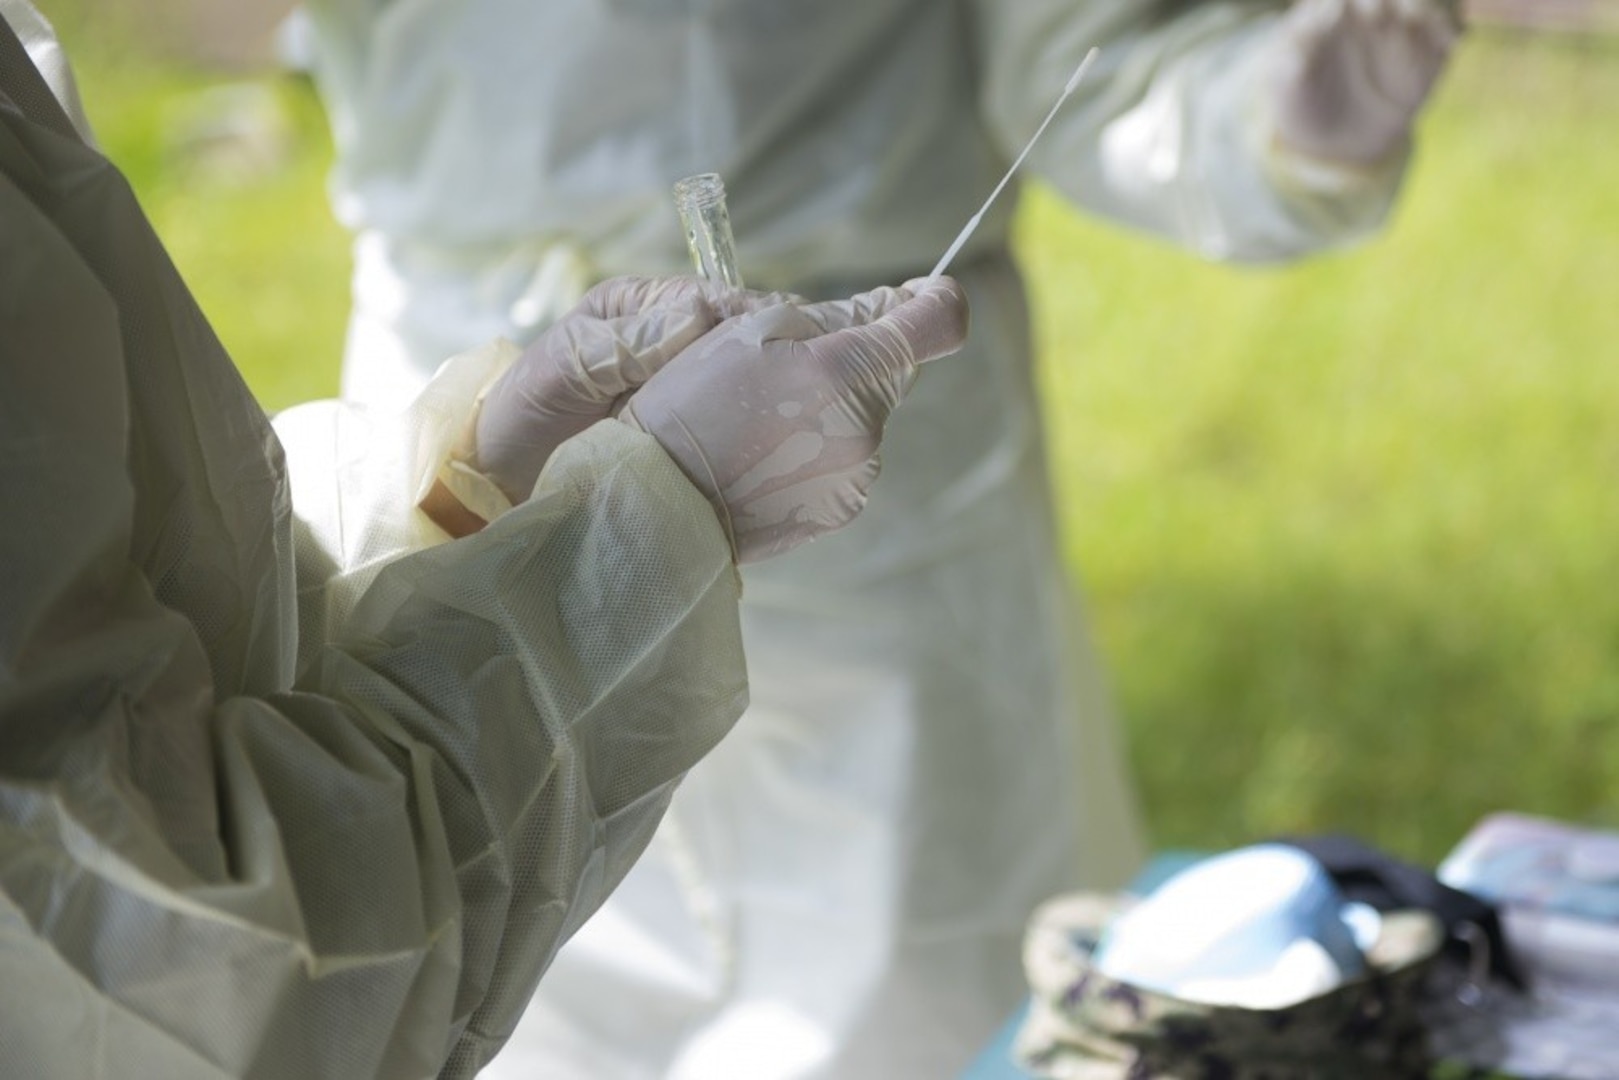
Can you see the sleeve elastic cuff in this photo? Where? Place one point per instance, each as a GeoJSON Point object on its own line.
{"type": "Point", "coordinates": [444, 418]}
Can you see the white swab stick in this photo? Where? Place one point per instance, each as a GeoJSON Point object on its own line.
{"type": "Point", "coordinates": [972, 223]}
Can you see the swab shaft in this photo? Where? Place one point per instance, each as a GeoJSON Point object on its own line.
{"type": "Point", "coordinates": [972, 223]}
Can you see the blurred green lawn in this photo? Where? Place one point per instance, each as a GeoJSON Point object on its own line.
{"type": "Point", "coordinates": [1345, 528]}
{"type": "Point", "coordinates": [1348, 529]}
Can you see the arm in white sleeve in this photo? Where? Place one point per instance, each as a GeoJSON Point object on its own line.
{"type": "Point", "coordinates": [211, 868]}
{"type": "Point", "coordinates": [1173, 130]}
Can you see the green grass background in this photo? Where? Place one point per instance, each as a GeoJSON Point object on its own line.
{"type": "Point", "coordinates": [1346, 529]}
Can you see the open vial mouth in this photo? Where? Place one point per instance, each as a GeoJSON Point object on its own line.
{"type": "Point", "coordinates": [699, 192]}
{"type": "Point", "coordinates": [707, 223]}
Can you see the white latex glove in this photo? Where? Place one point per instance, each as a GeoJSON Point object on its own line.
{"type": "Point", "coordinates": [579, 370]}
{"type": "Point", "coordinates": [776, 416]}
{"type": "Point", "coordinates": [1353, 74]}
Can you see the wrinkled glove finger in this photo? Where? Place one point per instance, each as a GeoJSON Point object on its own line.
{"type": "Point", "coordinates": [857, 310]}
{"type": "Point", "coordinates": [570, 378]}
{"type": "Point", "coordinates": [623, 296]}
{"type": "Point", "coordinates": [877, 362]}
{"type": "Point", "coordinates": [613, 356]}
{"type": "Point", "coordinates": [934, 322]}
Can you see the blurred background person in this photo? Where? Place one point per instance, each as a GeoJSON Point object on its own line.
{"type": "Point", "coordinates": [930, 750]}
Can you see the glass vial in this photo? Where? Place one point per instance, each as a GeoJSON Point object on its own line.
{"type": "Point", "coordinates": [701, 202]}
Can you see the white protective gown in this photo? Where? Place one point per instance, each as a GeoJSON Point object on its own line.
{"type": "Point", "coordinates": [839, 891]}
{"type": "Point", "coordinates": [293, 787]}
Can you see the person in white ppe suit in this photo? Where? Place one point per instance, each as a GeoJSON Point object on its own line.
{"type": "Point", "coordinates": [840, 890]}
{"type": "Point", "coordinates": [292, 784]}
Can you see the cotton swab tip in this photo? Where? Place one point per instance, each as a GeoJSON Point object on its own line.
{"type": "Point", "coordinates": [1079, 72]}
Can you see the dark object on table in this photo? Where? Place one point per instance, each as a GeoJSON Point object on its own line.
{"type": "Point", "coordinates": [1373, 877]}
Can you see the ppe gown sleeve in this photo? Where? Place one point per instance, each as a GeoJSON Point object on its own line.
{"type": "Point", "coordinates": [355, 864]}
{"type": "Point", "coordinates": [1172, 131]}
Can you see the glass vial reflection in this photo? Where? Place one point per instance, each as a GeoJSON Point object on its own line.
{"type": "Point", "coordinates": [701, 202]}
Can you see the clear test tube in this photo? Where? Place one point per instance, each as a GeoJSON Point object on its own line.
{"type": "Point", "coordinates": [701, 202]}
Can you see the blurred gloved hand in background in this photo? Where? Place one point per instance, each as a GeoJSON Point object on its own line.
{"type": "Point", "coordinates": [580, 370]}
{"type": "Point", "coordinates": [776, 416]}
{"type": "Point", "coordinates": [1353, 74]}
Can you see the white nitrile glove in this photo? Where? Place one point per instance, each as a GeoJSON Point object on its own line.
{"type": "Point", "coordinates": [776, 416]}
{"type": "Point", "coordinates": [581, 368]}
{"type": "Point", "coordinates": [1353, 74]}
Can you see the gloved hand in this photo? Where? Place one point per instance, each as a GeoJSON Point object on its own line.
{"type": "Point", "coordinates": [581, 368]}
{"type": "Point", "coordinates": [776, 416]}
{"type": "Point", "coordinates": [1353, 74]}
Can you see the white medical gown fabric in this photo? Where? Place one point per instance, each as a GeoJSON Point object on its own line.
{"type": "Point", "coordinates": [285, 795]}
{"type": "Point", "coordinates": [840, 890]}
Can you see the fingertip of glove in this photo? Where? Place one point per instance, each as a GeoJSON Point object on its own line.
{"type": "Point", "coordinates": [937, 319]}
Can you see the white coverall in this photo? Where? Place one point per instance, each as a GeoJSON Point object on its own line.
{"type": "Point", "coordinates": [840, 890]}
{"type": "Point", "coordinates": [323, 823]}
